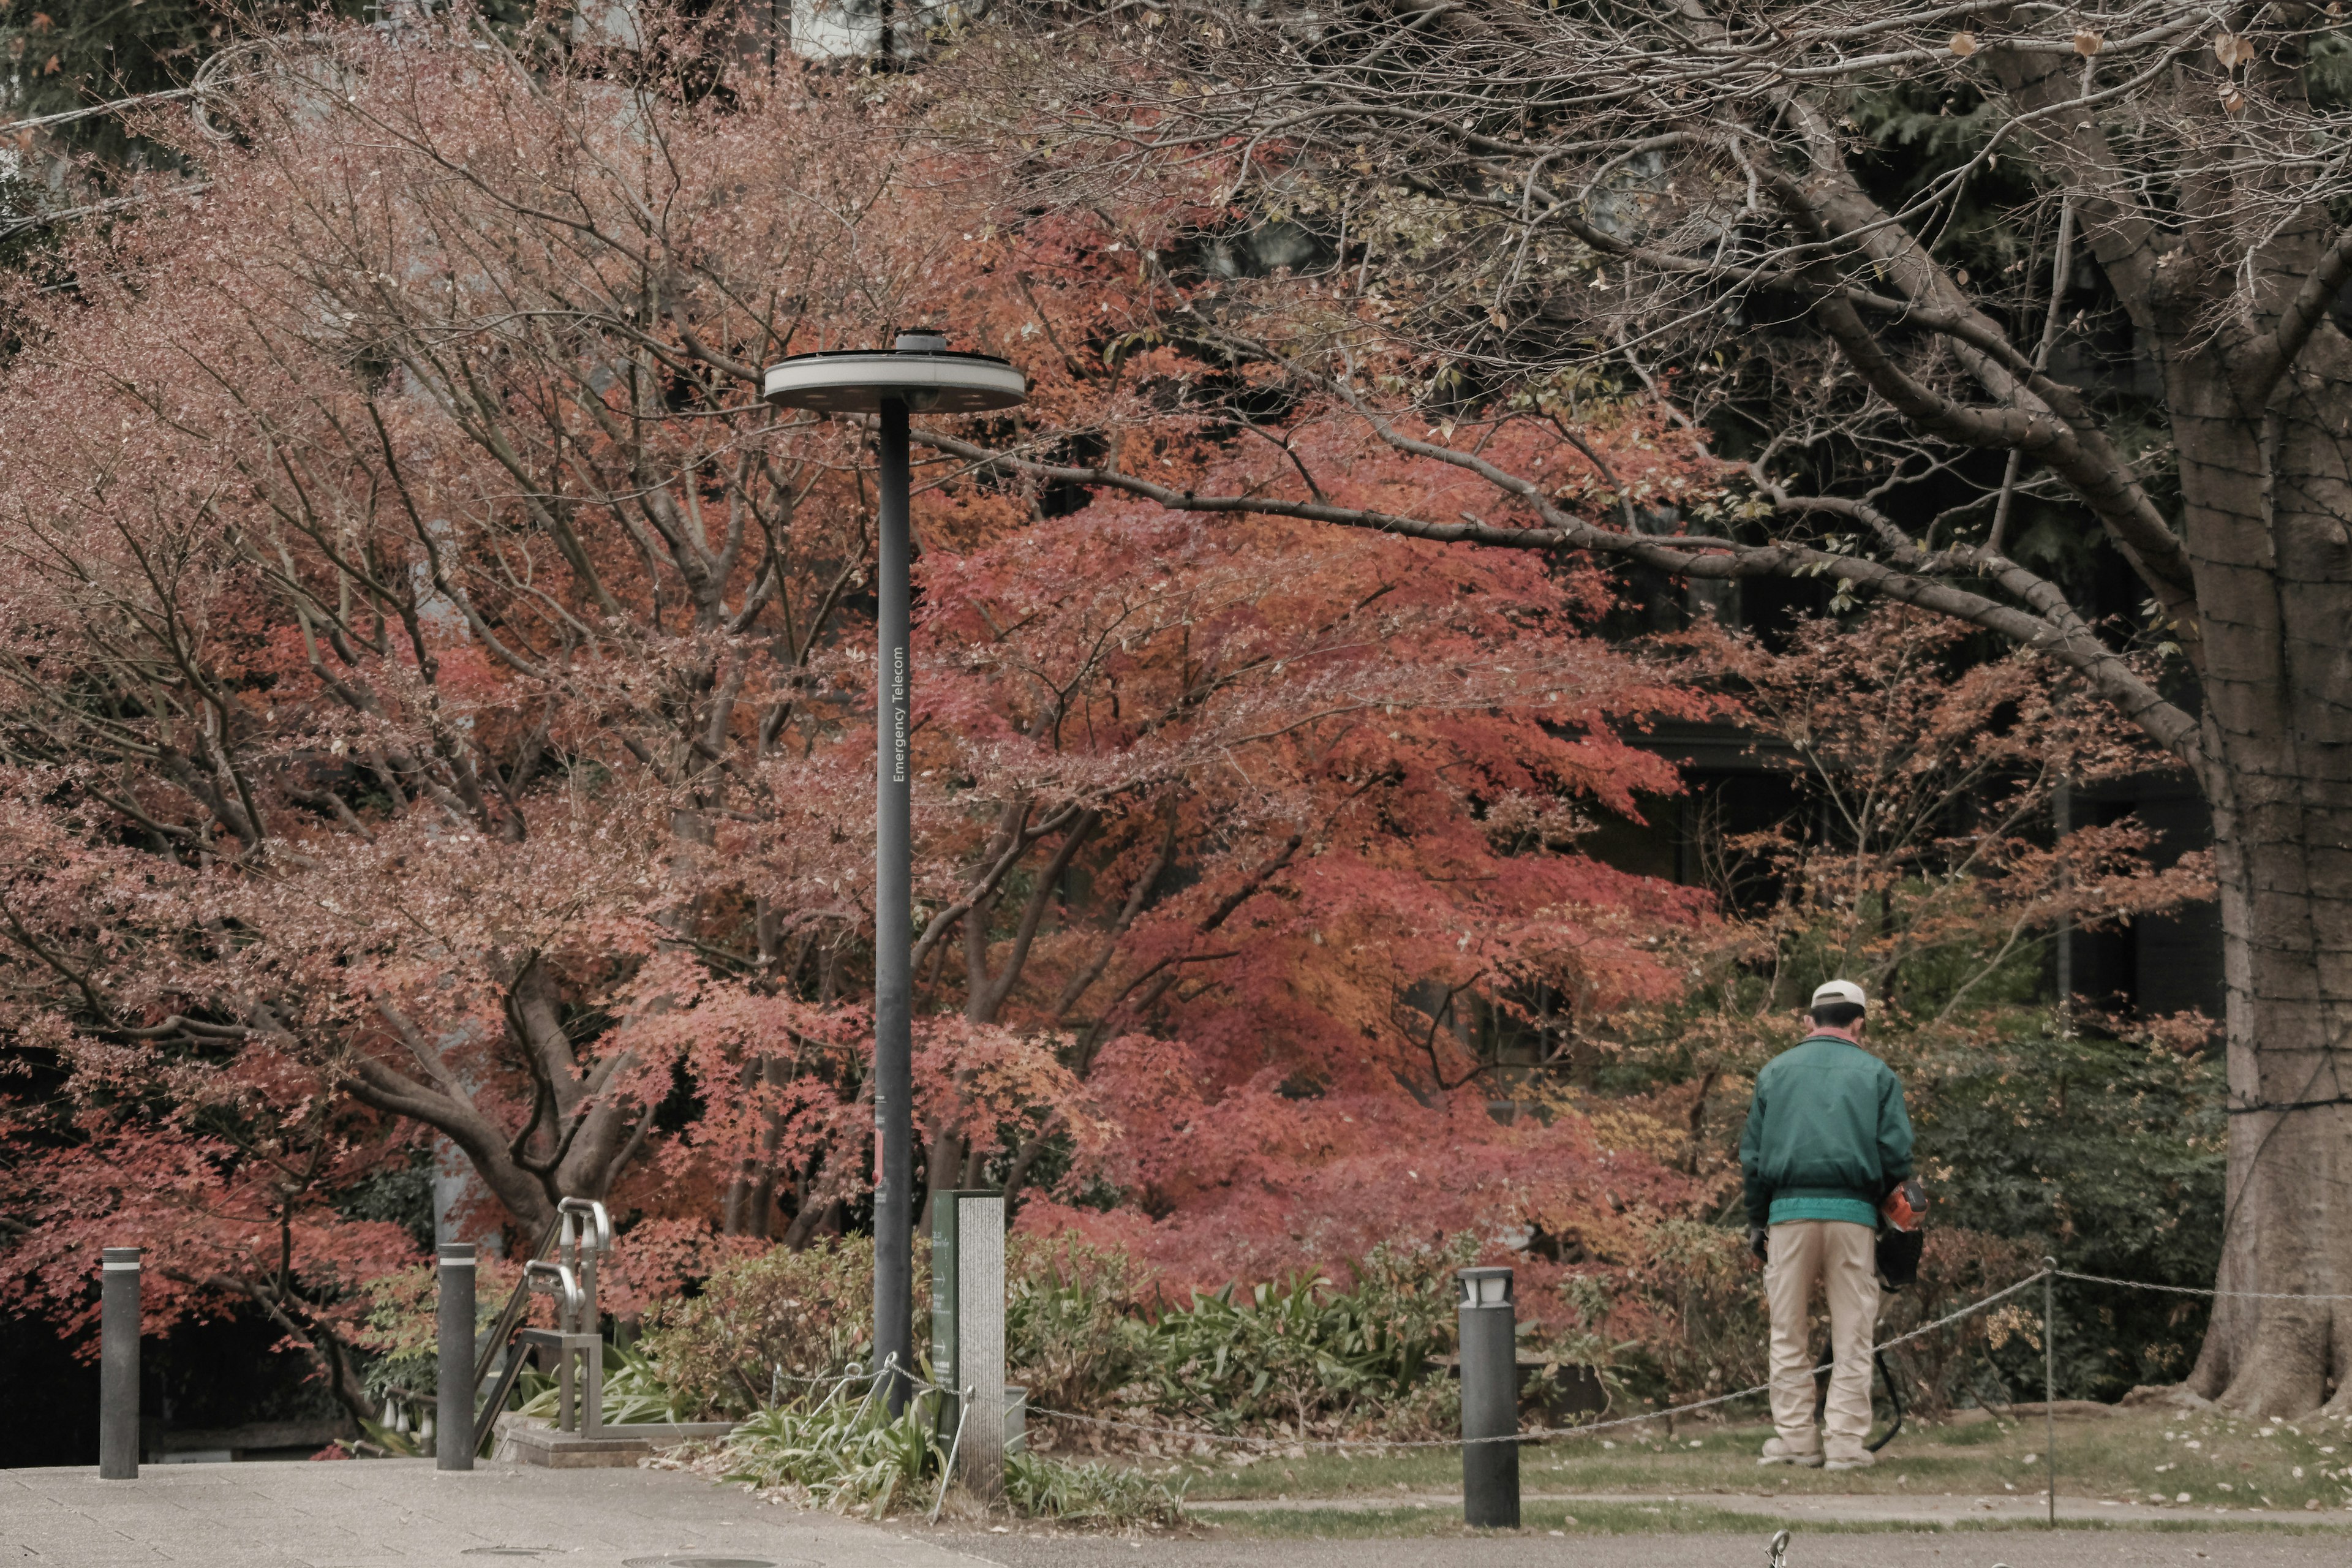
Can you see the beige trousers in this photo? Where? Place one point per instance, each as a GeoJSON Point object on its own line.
{"type": "Point", "coordinates": [1844, 1258]}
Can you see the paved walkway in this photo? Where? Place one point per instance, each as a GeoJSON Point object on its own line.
{"type": "Point", "coordinates": [396, 1514]}
{"type": "Point", "coordinates": [392, 1513]}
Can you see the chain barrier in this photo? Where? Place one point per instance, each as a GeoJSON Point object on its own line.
{"type": "Point", "coordinates": [916, 1384]}
{"type": "Point", "coordinates": [1539, 1434]}
{"type": "Point", "coordinates": [2197, 1290]}
{"type": "Point", "coordinates": [923, 1386]}
{"type": "Point", "coordinates": [2046, 1277]}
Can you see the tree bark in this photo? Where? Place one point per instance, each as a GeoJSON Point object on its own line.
{"type": "Point", "coordinates": [578, 1138]}
{"type": "Point", "coordinates": [2266, 489]}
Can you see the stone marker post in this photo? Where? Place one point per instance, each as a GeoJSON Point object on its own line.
{"type": "Point", "coordinates": [968, 1334]}
{"type": "Point", "coordinates": [980, 1292]}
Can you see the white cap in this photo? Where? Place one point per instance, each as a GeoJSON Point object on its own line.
{"type": "Point", "coordinates": [1839, 991]}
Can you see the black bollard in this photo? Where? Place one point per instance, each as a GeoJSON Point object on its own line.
{"type": "Point", "coordinates": [453, 1421]}
{"type": "Point", "coordinates": [1490, 1400]}
{"type": "Point", "coordinates": [118, 1364]}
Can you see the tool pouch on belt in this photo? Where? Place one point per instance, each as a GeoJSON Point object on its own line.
{"type": "Point", "coordinates": [1902, 1233]}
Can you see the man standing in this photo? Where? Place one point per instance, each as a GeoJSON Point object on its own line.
{"type": "Point", "coordinates": [1827, 1140]}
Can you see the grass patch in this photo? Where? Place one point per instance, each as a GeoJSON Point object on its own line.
{"type": "Point", "coordinates": [2136, 1456]}
{"type": "Point", "coordinates": [1320, 1473]}
{"type": "Point", "coordinates": [1536, 1519]}
{"type": "Point", "coordinates": [1579, 1519]}
{"type": "Point", "coordinates": [1974, 1433]}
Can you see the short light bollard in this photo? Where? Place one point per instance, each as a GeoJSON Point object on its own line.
{"type": "Point", "coordinates": [453, 1423]}
{"type": "Point", "coordinates": [1490, 1400]}
{"type": "Point", "coordinates": [118, 1364]}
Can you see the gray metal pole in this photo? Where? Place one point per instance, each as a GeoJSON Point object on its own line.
{"type": "Point", "coordinates": [453, 1421]}
{"type": "Point", "coordinates": [1490, 1399]}
{"type": "Point", "coordinates": [118, 1364]}
{"type": "Point", "coordinates": [2050, 1380]}
{"type": "Point", "coordinates": [894, 1342]}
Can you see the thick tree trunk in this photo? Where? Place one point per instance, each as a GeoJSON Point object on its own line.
{"type": "Point", "coordinates": [2267, 491]}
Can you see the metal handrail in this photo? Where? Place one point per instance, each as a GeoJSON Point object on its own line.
{"type": "Point", "coordinates": [501, 1335]}
{"type": "Point", "coordinates": [576, 1239]}
{"type": "Point", "coordinates": [511, 1316]}
{"type": "Point", "coordinates": [594, 1213]}
{"type": "Point", "coordinates": [546, 1279]}
{"type": "Point", "coordinates": [587, 1232]}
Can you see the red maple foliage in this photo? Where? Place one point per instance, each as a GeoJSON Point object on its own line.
{"type": "Point", "coordinates": [437, 696]}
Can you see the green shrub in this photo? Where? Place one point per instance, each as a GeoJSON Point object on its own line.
{"type": "Point", "coordinates": [1962, 1366]}
{"type": "Point", "coordinates": [1074, 1335]}
{"type": "Point", "coordinates": [1687, 1321]}
{"type": "Point", "coordinates": [1304, 1352]}
{"type": "Point", "coordinates": [1300, 1352]}
{"type": "Point", "coordinates": [635, 1389]}
{"type": "Point", "coordinates": [1232, 1358]}
{"type": "Point", "coordinates": [851, 1456]}
{"type": "Point", "coordinates": [1400, 1311]}
{"type": "Point", "coordinates": [1095, 1493]}
{"type": "Point", "coordinates": [2108, 1152]}
{"type": "Point", "coordinates": [1693, 1303]}
{"type": "Point", "coordinates": [777, 1322]}
{"type": "Point", "coordinates": [401, 1338]}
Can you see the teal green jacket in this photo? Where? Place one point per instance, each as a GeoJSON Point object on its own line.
{"type": "Point", "coordinates": [1827, 1136]}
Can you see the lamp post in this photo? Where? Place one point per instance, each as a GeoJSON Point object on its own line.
{"type": "Point", "coordinates": [919, 372]}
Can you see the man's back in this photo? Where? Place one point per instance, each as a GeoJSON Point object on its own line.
{"type": "Point", "coordinates": [1826, 1140]}
{"type": "Point", "coordinates": [1827, 1135]}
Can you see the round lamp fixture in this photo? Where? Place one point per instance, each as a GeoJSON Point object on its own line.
{"type": "Point", "coordinates": [1484, 1286]}
{"type": "Point", "coordinates": [921, 372]}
